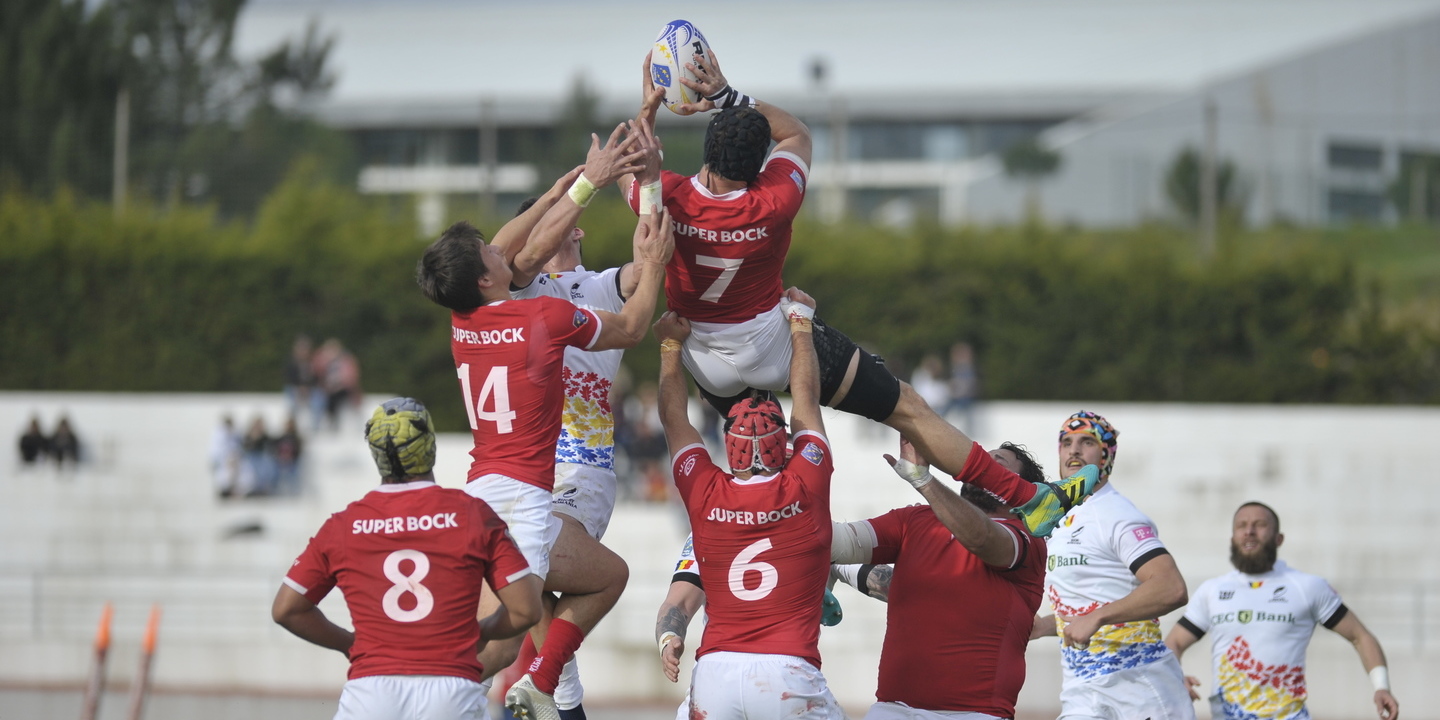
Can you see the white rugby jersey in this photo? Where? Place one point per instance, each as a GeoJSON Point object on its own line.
{"type": "Point", "coordinates": [1260, 626]}
{"type": "Point", "coordinates": [1093, 557]}
{"type": "Point", "coordinates": [587, 429]}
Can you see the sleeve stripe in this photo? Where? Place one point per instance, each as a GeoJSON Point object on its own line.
{"type": "Point", "coordinates": [297, 587]}
{"type": "Point", "coordinates": [792, 157]}
{"type": "Point", "coordinates": [684, 450]}
{"type": "Point", "coordinates": [512, 577]}
{"type": "Point", "coordinates": [1185, 623]}
{"type": "Point", "coordinates": [689, 577]}
{"type": "Point", "coordinates": [1016, 542]}
{"type": "Point", "coordinates": [598, 328]}
{"type": "Point", "coordinates": [1336, 617]}
{"type": "Point", "coordinates": [823, 440]}
{"type": "Point", "coordinates": [1147, 557]}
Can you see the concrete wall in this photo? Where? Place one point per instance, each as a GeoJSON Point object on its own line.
{"type": "Point", "coordinates": [1274, 123]}
{"type": "Point", "coordinates": [139, 524]}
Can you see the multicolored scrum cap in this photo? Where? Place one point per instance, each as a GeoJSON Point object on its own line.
{"type": "Point", "coordinates": [1096, 426]}
{"type": "Point", "coordinates": [755, 436]}
{"type": "Point", "coordinates": [402, 438]}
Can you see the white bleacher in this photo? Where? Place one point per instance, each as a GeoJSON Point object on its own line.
{"type": "Point", "coordinates": [139, 523]}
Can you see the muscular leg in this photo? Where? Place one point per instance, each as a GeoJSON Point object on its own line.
{"type": "Point", "coordinates": [588, 576]}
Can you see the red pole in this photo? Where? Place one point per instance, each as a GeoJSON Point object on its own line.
{"type": "Point", "coordinates": [141, 686]}
{"type": "Point", "coordinates": [96, 684]}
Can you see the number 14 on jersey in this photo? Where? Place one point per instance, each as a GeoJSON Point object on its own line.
{"type": "Point", "coordinates": [496, 388]}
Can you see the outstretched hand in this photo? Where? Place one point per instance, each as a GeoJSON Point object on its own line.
{"type": "Point", "coordinates": [560, 187]}
{"type": "Point", "coordinates": [710, 82]}
{"type": "Point", "coordinates": [654, 238]}
{"type": "Point", "coordinates": [605, 164]}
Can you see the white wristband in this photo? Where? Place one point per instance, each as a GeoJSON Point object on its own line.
{"type": "Point", "coordinates": [650, 198]}
{"type": "Point", "coordinates": [665, 640]}
{"type": "Point", "coordinates": [917, 475]}
{"type": "Point", "coordinates": [1380, 677]}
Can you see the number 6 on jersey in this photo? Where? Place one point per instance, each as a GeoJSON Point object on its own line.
{"type": "Point", "coordinates": [497, 384]}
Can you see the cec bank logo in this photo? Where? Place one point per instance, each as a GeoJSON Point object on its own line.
{"type": "Point", "coordinates": [1244, 616]}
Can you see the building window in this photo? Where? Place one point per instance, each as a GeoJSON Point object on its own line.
{"type": "Point", "coordinates": [1365, 158]}
{"type": "Point", "coordinates": [1355, 205]}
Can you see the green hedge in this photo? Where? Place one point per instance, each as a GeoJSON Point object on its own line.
{"type": "Point", "coordinates": [181, 301]}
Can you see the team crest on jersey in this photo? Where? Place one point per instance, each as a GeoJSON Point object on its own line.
{"type": "Point", "coordinates": [1244, 616]}
{"type": "Point", "coordinates": [799, 179]}
{"type": "Point", "coordinates": [685, 469]}
{"type": "Point", "coordinates": [1227, 594]}
{"type": "Point", "coordinates": [1255, 584]}
{"type": "Point", "coordinates": [689, 546]}
{"type": "Point", "coordinates": [1074, 534]}
{"type": "Point", "coordinates": [581, 318]}
{"type": "Point", "coordinates": [813, 453]}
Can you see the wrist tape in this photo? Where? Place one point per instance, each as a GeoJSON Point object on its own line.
{"type": "Point", "coordinates": [665, 640]}
{"type": "Point", "coordinates": [583, 191]}
{"type": "Point", "coordinates": [917, 475]}
{"type": "Point", "coordinates": [650, 198]}
{"type": "Point", "coordinates": [1380, 677]}
{"type": "Point", "coordinates": [729, 97]}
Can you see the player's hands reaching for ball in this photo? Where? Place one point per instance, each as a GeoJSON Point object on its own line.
{"type": "Point", "coordinates": [795, 304]}
{"type": "Point", "coordinates": [910, 466]}
{"type": "Point", "coordinates": [671, 651]}
{"type": "Point", "coordinates": [671, 327]}
{"type": "Point", "coordinates": [604, 164]}
{"type": "Point", "coordinates": [711, 83]}
{"type": "Point", "coordinates": [1078, 630]}
{"type": "Point", "coordinates": [654, 238]}
{"type": "Point", "coordinates": [643, 132]}
{"type": "Point", "coordinates": [560, 187]}
{"type": "Point", "coordinates": [652, 95]}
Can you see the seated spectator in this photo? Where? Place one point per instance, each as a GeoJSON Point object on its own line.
{"type": "Point", "coordinates": [257, 463]}
{"type": "Point", "coordinates": [225, 457]}
{"type": "Point", "coordinates": [34, 445]}
{"type": "Point", "coordinates": [65, 444]}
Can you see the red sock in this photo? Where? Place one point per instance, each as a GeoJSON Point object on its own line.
{"type": "Point", "coordinates": [982, 470]}
{"type": "Point", "coordinates": [561, 641]}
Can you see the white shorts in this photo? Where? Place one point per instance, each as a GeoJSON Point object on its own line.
{"type": "Point", "coordinates": [726, 358]}
{"type": "Point", "coordinates": [385, 697]}
{"type": "Point", "coordinates": [1156, 691]}
{"type": "Point", "coordinates": [526, 509]}
{"type": "Point", "coordinates": [898, 711]}
{"type": "Point", "coordinates": [752, 686]}
{"type": "Point", "coordinates": [586, 493]}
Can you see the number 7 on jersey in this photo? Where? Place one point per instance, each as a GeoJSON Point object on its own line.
{"type": "Point", "coordinates": [496, 385]}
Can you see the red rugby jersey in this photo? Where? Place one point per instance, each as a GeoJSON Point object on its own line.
{"type": "Point", "coordinates": [730, 249]}
{"type": "Point", "coordinates": [956, 628]}
{"type": "Point", "coordinates": [509, 357]}
{"type": "Point", "coordinates": [410, 558]}
{"type": "Point", "coordinates": [763, 545]}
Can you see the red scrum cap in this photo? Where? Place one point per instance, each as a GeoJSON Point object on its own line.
{"type": "Point", "coordinates": [755, 436]}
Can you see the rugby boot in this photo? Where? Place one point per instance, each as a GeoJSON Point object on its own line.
{"type": "Point", "coordinates": [1053, 500]}
{"type": "Point", "coordinates": [526, 702]}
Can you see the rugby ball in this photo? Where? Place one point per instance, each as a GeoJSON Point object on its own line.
{"type": "Point", "coordinates": [679, 41]}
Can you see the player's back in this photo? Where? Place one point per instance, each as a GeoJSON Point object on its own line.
{"type": "Point", "coordinates": [763, 546]}
{"type": "Point", "coordinates": [730, 249]}
{"type": "Point", "coordinates": [508, 357]}
{"type": "Point", "coordinates": [410, 559]}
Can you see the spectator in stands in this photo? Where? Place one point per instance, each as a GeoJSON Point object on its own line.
{"type": "Point", "coordinates": [257, 463]}
{"type": "Point", "coordinates": [337, 375]}
{"type": "Point", "coordinates": [225, 457]}
{"type": "Point", "coordinates": [964, 385]}
{"type": "Point", "coordinates": [646, 444]}
{"type": "Point", "coordinates": [931, 384]}
{"type": "Point", "coordinates": [287, 447]}
{"type": "Point", "coordinates": [65, 444]}
{"type": "Point", "coordinates": [34, 445]}
{"type": "Point", "coordinates": [299, 375]}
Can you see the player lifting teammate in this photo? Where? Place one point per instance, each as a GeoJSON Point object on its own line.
{"type": "Point", "coordinates": [508, 355]}
{"type": "Point", "coordinates": [733, 225]}
{"type": "Point", "coordinates": [410, 557]}
{"type": "Point", "coordinates": [762, 537]}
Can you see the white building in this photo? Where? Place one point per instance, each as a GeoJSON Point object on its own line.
{"type": "Point", "coordinates": [1317, 103]}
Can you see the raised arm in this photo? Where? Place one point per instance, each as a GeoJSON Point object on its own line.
{"type": "Point", "coordinates": [799, 309]}
{"type": "Point", "coordinates": [1373, 657]}
{"type": "Point", "coordinates": [671, 330]}
{"type": "Point", "coordinates": [511, 238]}
{"type": "Point", "coordinates": [654, 241]}
{"type": "Point", "coordinates": [603, 166]}
{"type": "Point", "coordinates": [1161, 590]}
{"type": "Point", "coordinates": [988, 540]}
{"type": "Point", "coordinates": [790, 135]}
{"type": "Point", "coordinates": [672, 622]}
{"type": "Point", "coordinates": [295, 613]}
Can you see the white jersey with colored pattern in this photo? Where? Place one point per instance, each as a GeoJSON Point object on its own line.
{"type": "Point", "coordinates": [587, 429]}
{"type": "Point", "coordinates": [1260, 627]}
{"type": "Point", "coordinates": [1093, 557]}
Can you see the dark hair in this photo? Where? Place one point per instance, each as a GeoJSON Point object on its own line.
{"type": "Point", "coordinates": [736, 142]}
{"type": "Point", "coordinates": [1029, 469]}
{"type": "Point", "coordinates": [526, 204]}
{"type": "Point", "coordinates": [1257, 503]}
{"type": "Point", "coordinates": [449, 271]}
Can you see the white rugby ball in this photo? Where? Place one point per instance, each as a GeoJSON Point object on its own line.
{"type": "Point", "coordinates": [679, 41]}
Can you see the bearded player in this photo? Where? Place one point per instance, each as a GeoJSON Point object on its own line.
{"type": "Point", "coordinates": [410, 558]}
{"type": "Point", "coordinates": [761, 535]}
{"type": "Point", "coordinates": [508, 355]}
{"type": "Point", "coordinates": [1260, 618]}
{"type": "Point", "coordinates": [732, 225]}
